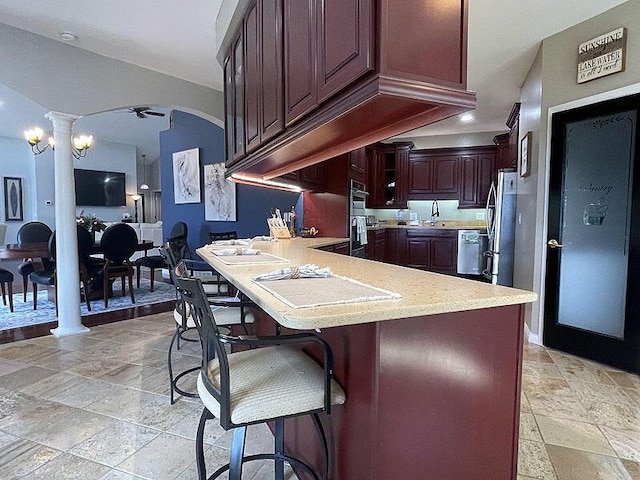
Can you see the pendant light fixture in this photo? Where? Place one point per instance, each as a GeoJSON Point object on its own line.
{"type": "Point", "coordinates": [144, 185]}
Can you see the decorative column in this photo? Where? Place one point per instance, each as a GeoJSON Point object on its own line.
{"type": "Point", "coordinates": [67, 262]}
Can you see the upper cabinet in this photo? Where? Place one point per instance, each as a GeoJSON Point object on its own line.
{"type": "Point", "coordinates": [463, 174]}
{"type": "Point", "coordinates": [387, 175]}
{"type": "Point", "coordinates": [433, 175]}
{"type": "Point", "coordinates": [309, 80]}
{"type": "Point", "coordinates": [327, 46]}
{"type": "Point", "coordinates": [263, 92]}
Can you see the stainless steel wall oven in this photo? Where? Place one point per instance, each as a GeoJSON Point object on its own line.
{"type": "Point", "coordinates": [357, 218]}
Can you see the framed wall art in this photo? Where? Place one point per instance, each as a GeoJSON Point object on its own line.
{"type": "Point", "coordinates": [13, 206]}
{"type": "Point", "coordinates": [186, 176]}
{"type": "Point", "coordinates": [219, 195]}
{"type": "Point", "coordinates": [525, 154]}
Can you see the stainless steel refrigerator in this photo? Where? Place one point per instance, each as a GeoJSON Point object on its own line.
{"type": "Point", "coordinates": [500, 215]}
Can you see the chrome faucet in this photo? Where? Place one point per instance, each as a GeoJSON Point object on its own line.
{"type": "Point", "coordinates": [435, 212]}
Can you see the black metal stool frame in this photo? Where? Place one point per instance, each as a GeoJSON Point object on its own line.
{"type": "Point", "coordinates": [213, 345]}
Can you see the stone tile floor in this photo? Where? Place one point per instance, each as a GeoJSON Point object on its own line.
{"type": "Point", "coordinates": [96, 406]}
{"type": "Point", "coordinates": [579, 420]}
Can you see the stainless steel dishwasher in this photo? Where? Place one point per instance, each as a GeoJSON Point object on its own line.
{"type": "Point", "coordinates": [471, 247]}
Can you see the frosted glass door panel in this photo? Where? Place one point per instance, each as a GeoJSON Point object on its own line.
{"type": "Point", "coordinates": [595, 223]}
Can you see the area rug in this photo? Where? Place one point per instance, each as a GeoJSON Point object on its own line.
{"type": "Point", "coordinates": [24, 314]}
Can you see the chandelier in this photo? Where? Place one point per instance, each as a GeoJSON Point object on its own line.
{"type": "Point", "coordinates": [79, 145]}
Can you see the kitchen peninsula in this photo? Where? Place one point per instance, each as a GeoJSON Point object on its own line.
{"type": "Point", "coordinates": [432, 378]}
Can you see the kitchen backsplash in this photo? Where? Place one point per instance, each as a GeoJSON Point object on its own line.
{"type": "Point", "coordinates": [448, 211]}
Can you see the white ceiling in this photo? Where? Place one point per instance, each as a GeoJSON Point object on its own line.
{"type": "Point", "coordinates": [177, 38]}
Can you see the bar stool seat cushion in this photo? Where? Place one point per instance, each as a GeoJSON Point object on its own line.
{"type": "Point", "coordinates": [224, 316]}
{"type": "Point", "coordinates": [42, 277]}
{"type": "Point", "coordinates": [269, 382]}
{"type": "Point", "coordinates": [26, 267]}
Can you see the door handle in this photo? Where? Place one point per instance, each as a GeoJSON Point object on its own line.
{"type": "Point", "coordinates": [553, 243]}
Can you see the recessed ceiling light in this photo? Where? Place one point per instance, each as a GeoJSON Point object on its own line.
{"type": "Point", "coordinates": [68, 37]}
{"type": "Point", "coordinates": [466, 117]}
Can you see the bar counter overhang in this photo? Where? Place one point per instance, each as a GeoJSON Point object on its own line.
{"type": "Point", "coordinates": [432, 379]}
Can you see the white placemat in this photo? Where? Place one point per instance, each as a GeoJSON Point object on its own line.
{"type": "Point", "coordinates": [313, 292]}
{"type": "Point", "coordinates": [262, 258]}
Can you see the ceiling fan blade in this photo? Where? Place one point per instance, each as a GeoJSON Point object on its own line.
{"type": "Point", "coordinates": [157, 114]}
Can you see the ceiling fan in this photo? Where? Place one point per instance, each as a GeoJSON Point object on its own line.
{"type": "Point", "coordinates": [143, 112]}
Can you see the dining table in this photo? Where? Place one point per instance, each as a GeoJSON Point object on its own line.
{"type": "Point", "coordinates": [18, 251]}
{"type": "Point", "coordinates": [38, 250]}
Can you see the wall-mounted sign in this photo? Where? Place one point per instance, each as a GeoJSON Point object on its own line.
{"type": "Point", "coordinates": [602, 55]}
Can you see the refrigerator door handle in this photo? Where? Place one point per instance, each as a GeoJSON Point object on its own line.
{"type": "Point", "coordinates": [488, 214]}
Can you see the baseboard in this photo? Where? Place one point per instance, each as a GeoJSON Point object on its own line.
{"type": "Point", "coordinates": [530, 337]}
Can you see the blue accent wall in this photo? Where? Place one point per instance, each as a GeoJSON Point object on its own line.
{"type": "Point", "coordinates": [253, 203]}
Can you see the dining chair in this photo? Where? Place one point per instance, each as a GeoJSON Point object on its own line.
{"type": "Point", "coordinates": [6, 278]}
{"type": "Point", "coordinates": [270, 382]}
{"type": "Point", "coordinates": [230, 235]}
{"type": "Point", "coordinates": [32, 232]}
{"type": "Point", "coordinates": [47, 275]}
{"type": "Point", "coordinates": [118, 244]}
{"type": "Point", "coordinates": [153, 263]}
{"type": "Point", "coordinates": [179, 245]}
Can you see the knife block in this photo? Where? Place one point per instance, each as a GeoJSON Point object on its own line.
{"type": "Point", "coordinates": [279, 232]}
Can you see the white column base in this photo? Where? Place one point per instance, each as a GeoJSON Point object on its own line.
{"type": "Point", "coordinates": [65, 332]}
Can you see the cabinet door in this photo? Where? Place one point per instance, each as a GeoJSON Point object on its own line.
{"type": "Point", "coordinates": [376, 179]}
{"type": "Point", "coordinates": [252, 76]}
{"type": "Point", "coordinates": [238, 86]}
{"type": "Point", "coordinates": [358, 160]}
{"type": "Point", "coordinates": [313, 176]}
{"type": "Point", "coordinates": [391, 247]}
{"type": "Point", "coordinates": [443, 254]}
{"type": "Point", "coordinates": [486, 175]}
{"type": "Point", "coordinates": [417, 252]}
{"type": "Point", "coordinates": [468, 181]}
{"type": "Point", "coordinates": [420, 177]}
{"type": "Point", "coordinates": [230, 135]}
{"type": "Point", "coordinates": [300, 46]}
{"type": "Point", "coordinates": [380, 254]}
{"type": "Point", "coordinates": [272, 114]}
{"type": "Point", "coordinates": [345, 36]}
{"type": "Point", "coordinates": [445, 175]}
{"type": "Point", "coordinates": [370, 247]}
{"type": "Point", "coordinates": [402, 177]}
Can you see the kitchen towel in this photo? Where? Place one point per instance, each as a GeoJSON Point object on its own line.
{"type": "Point", "coordinates": [305, 271]}
{"type": "Point", "coordinates": [361, 229]}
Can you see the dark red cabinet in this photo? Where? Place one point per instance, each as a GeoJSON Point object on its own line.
{"type": "Point", "coordinates": [252, 93]}
{"type": "Point", "coordinates": [387, 175]}
{"type": "Point", "coordinates": [431, 249]}
{"type": "Point", "coordinates": [376, 248]}
{"type": "Point", "coordinates": [324, 77]}
{"type": "Point", "coordinates": [272, 83]}
{"type": "Point", "coordinates": [478, 170]}
{"type": "Point", "coordinates": [263, 114]}
{"type": "Point", "coordinates": [433, 176]}
{"type": "Point", "coordinates": [300, 45]}
{"type": "Point", "coordinates": [328, 45]}
{"type": "Point", "coordinates": [234, 100]}
{"type": "Point", "coordinates": [345, 43]}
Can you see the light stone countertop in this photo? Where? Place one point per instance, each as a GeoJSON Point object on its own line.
{"type": "Point", "coordinates": [423, 293]}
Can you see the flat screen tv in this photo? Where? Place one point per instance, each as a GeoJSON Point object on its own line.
{"type": "Point", "coordinates": [99, 189]}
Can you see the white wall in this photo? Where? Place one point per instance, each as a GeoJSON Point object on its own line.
{"type": "Point", "coordinates": [67, 79]}
{"type": "Point", "coordinates": [529, 224]}
{"type": "Point", "coordinates": [38, 173]}
{"type": "Point", "coordinates": [112, 157]}
{"type": "Point", "coordinates": [16, 160]}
